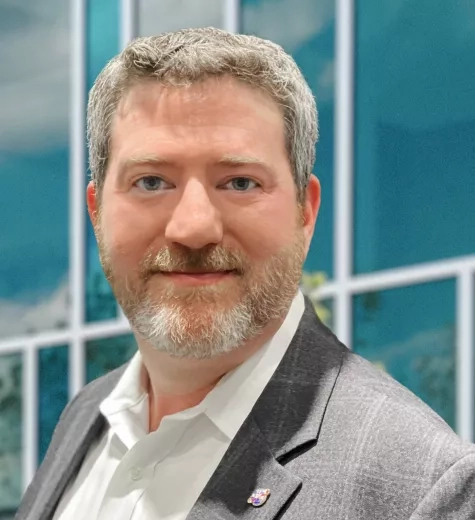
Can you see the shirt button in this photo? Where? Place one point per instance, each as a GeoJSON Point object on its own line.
{"type": "Point", "coordinates": [135, 473]}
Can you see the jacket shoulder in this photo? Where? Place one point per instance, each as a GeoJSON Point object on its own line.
{"type": "Point", "coordinates": [396, 447]}
{"type": "Point", "coordinates": [361, 379]}
{"type": "Point", "coordinates": [382, 453]}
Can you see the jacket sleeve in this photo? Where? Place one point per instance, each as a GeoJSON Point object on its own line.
{"type": "Point", "coordinates": [452, 497]}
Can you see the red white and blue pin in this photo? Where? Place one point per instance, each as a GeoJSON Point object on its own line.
{"type": "Point", "coordinates": [259, 497]}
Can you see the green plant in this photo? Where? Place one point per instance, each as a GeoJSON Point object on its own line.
{"type": "Point", "coordinates": [309, 283]}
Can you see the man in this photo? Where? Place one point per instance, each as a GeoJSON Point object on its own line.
{"type": "Point", "coordinates": [239, 403]}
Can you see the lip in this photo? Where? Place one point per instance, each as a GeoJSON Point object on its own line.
{"type": "Point", "coordinates": [204, 278]}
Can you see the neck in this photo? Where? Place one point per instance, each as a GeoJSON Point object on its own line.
{"type": "Point", "coordinates": [176, 384]}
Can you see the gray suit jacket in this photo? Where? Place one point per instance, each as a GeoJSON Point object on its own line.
{"type": "Point", "coordinates": [331, 437]}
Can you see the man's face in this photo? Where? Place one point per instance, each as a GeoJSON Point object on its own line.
{"type": "Point", "coordinates": [199, 230]}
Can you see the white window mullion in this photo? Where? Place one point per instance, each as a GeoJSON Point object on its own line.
{"type": "Point", "coordinates": [413, 275]}
{"type": "Point", "coordinates": [343, 215]}
{"type": "Point", "coordinates": [465, 312]}
{"type": "Point", "coordinates": [30, 391]}
{"type": "Point", "coordinates": [77, 182]}
{"type": "Point", "coordinates": [106, 329]}
{"type": "Point", "coordinates": [128, 22]}
{"type": "Point", "coordinates": [8, 348]}
{"type": "Point", "coordinates": [76, 365]}
{"type": "Point", "coordinates": [101, 329]}
{"type": "Point", "coordinates": [232, 15]}
{"type": "Point", "coordinates": [399, 277]}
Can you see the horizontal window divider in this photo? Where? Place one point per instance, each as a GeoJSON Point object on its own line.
{"type": "Point", "coordinates": [398, 277]}
{"type": "Point", "coordinates": [103, 329]}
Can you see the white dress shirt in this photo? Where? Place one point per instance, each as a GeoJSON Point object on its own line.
{"type": "Point", "coordinates": [131, 473]}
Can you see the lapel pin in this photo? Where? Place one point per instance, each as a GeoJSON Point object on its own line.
{"type": "Point", "coordinates": [259, 497]}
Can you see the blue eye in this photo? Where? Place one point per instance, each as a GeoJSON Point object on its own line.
{"type": "Point", "coordinates": [241, 184]}
{"type": "Point", "coordinates": [151, 183]}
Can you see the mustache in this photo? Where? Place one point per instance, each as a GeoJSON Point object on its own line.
{"type": "Point", "coordinates": [209, 259]}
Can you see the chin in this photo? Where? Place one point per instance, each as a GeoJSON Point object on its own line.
{"type": "Point", "coordinates": [198, 332]}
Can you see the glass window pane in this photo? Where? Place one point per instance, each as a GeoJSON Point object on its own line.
{"type": "Point", "coordinates": [158, 16]}
{"type": "Point", "coordinates": [11, 485]}
{"type": "Point", "coordinates": [104, 355]}
{"type": "Point", "coordinates": [307, 31]}
{"type": "Point", "coordinates": [102, 36]}
{"type": "Point", "coordinates": [34, 159]}
{"type": "Point", "coordinates": [102, 45]}
{"type": "Point", "coordinates": [410, 332]}
{"type": "Point", "coordinates": [53, 392]}
{"type": "Point", "coordinates": [414, 128]}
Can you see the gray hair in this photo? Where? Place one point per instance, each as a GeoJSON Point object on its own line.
{"type": "Point", "coordinates": [188, 56]}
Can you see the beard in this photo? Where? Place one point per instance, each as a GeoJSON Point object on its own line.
{"type": "Point", "coordinates": [207, 320]}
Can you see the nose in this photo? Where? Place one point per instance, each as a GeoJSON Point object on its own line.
{"type": "Point", "coordinates": [195, 221]}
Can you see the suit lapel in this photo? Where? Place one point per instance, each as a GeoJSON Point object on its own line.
{"type": "Point", "coordinates": [61, 463]}
{"type": "Point", "coordinates": [69, 462]}
{"type": "Point", "coordinates": [247, 465]}
{"type": "Point", "coordinates": [291, 408]}
{"type": "Point", "coordinates": [285, 420]}
{"type": "Point", "coordinates": [71, 441]}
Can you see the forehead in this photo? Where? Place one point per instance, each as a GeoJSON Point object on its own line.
{"type": "Point", "coordinates": [215, 110]}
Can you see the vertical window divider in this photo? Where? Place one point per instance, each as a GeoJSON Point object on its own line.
{"type": "Point", "coordinates": [232, 15]}
{"type": "Point", "coordinates": [77, 213]}
{"type": "Point", "coordinates": [128, 22]}
{"type": "Point", "coordinates": [29, 412]}
{"type": "Point", "coordinates": [464, 337]}
{"type": "Point", "coordinates": [343, 215]}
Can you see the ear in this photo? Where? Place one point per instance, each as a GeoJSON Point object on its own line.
{"type": "Point", "coordinates": [310, 208]}
{"type": "Point", "coordinates": [92, 202]}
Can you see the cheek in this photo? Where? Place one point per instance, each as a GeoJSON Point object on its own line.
{"type": "Point", "coordinates": [127, 236]}
{"type": "Point", "coordinates": [267, 232]}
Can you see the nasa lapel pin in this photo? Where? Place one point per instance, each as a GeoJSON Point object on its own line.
{"type": "Point", "coordinates": [259, 497]}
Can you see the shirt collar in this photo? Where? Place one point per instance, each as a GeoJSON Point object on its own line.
{"type": "Point", "coordinates": [130, 389]}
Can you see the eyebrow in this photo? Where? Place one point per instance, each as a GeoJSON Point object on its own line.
{"type": "Point", "coordinates": [141, 160]}
{"type": "Point", "coordinates": [230, 160]}
{"type": "Point", "coordinates": [243, 160]}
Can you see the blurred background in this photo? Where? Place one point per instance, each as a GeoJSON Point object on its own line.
{"type": "Point", "coordinates": [392, 265]}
